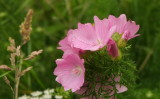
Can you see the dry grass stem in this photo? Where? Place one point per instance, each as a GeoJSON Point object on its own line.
{"type": "Point", "coordinates": [16, 57]}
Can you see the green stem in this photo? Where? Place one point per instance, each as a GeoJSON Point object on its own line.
{"type": "Point", "coordinates": [17, 87]}
{"type": "Point", "coordinates": [17, 78]}
{"type": "Point", "coordinates": [69, 10]}
{"type": "Point", "coordinates": [145, 60]}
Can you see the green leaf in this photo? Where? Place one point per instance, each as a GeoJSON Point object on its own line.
{"type": "Point", "coordinates": [4, 74]}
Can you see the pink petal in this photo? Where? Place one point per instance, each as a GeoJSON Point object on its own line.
{"type": "Point", "coordinates": [117, 79]}
{"type": "Point", "coordinates": [121, 88]}
{"type": "Point", "coordinates": [103, 31]}
{"type": "Point", "coordinates": [130, 30]}
{"type": "Point", "coordinates": [90, 97]}
{"type": "Point", "coordinates": [118, 22]}
{"type": "Point", "coordinates": [66, 47]}
{"type": "Point", "coordinates": [83, 89]}
{"type": "Point", "coordinates": [84, 37]}
{"type": "Point", "coordinates": [89, 37]}
{"type": "Point", "coordinates": [113, 97]}
{"type": "Point", "coordinates": [65, 72]}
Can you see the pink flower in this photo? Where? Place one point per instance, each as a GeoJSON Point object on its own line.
{"type": "Point", "coordinates": [66, 47]}
{"type": "Point", "coordinates": [120, 88]}
{"type": "Point", "coordinates": [85, 87]}
{"type": "Point", "coordinates": [70, 72]}
{"type": "Point", "coordinates": [128, 29]}
{"type": "Point", "coordinates": [89, 37]}
{"type": "Point", "coordinates": [112, 48]}
{"type": "Point", "coordinates": [90, 97]}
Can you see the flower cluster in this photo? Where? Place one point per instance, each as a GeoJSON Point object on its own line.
{"type": "Point", "coordinates": [57, 93]}
{"type": "Point", "coordinates": [46, 94]}
{"type": "Point", "coordinates": [82, 45]}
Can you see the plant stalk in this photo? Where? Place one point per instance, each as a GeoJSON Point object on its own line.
{"type": "Point", "coordinates": [17, 78]}
{"type": "Point", "coordinates": [17, 87]}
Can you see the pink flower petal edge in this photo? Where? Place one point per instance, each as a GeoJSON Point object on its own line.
{"type": "Point", "coordinates": [130, 30]}
{"type": "Point", "coordinates": [118, 22]}
{"type": "Point", "coordinates": [65, 46]}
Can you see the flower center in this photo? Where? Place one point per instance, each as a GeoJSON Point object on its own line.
{"type": "Point", "coordinates": [77, 70]}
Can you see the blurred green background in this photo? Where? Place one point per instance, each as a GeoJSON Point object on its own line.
{"type": "Point", "coordinates": [52, 19]}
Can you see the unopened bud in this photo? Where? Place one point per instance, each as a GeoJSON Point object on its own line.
{"type": "Point", "coordinates": [116, 36]}
{"type": "Point", "coordinates": [122, 43]}
{"type": "Point", "coordinates": [117, 57]}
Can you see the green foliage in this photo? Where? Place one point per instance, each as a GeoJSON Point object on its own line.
{"type": "Point", "coordinates": [102, 70]}
{"type": "Point", "coordinates": [59, 91]}
{"type": "Point", "coordinates": [4, 74]}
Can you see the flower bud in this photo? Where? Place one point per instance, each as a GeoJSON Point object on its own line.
{"type": "Point", "coordinates": [116, 36]}
{"type": "Point", "coordinates": [122, 43]}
